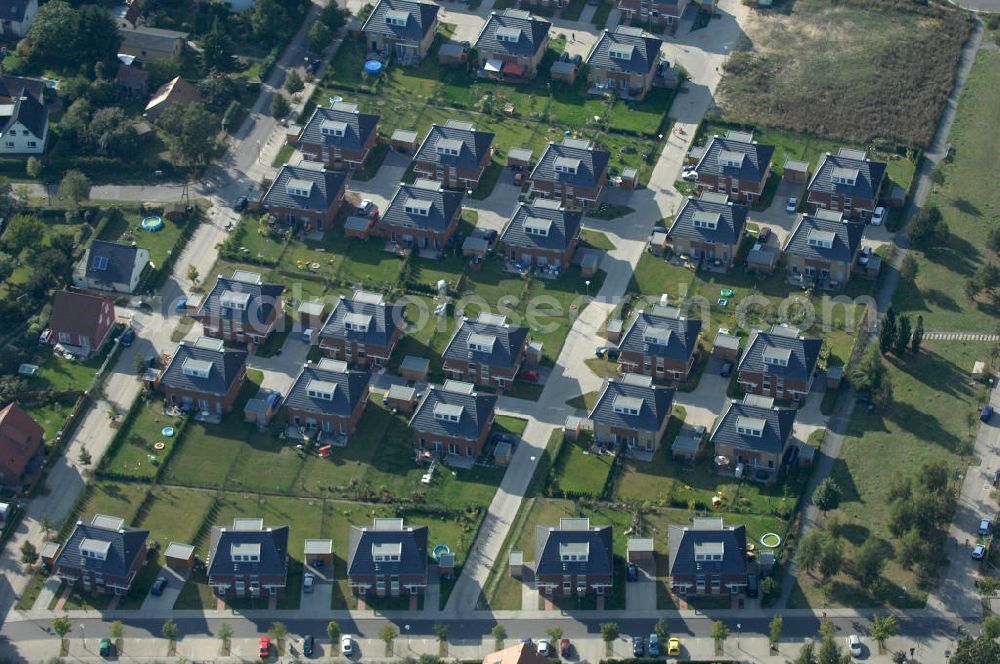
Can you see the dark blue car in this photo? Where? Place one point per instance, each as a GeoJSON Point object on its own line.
{"type": "Point", "coordinates": [127, 338]}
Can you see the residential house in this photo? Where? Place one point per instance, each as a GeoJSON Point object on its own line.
{"type": "Point", "coordinates": [24, 120]}
{"type": "Point", "coordinates": [422, 216]}
{"type": "Point", "coordinates": [573, 172]}
{"type": "Point", "coordinates": [103, 556]}
{"type": "Point", "coordinates": [847, 182]}
{"type": "Point", "coordinates": [305, 198]}
{"type": "Point", "coordinates": [822, 248]}
{"type": "Point", "coordinates": [248, 560]}
{"type": "Point", "coordinates": [126, 15]}
{"type": "Point", "coordinates": [204, 376]}
{"type": "Point", "coordinates": [454, 154]}
{"type": "Point", "coordinates": [148, 44]}
{"type": "Point", "coordinates": [709, 228]}
{"type": "Point", "coordinates": [660, 343]}
{"type": "Point", "coordinates": [554, 5]}
{"type": "Point", "coordinates": [22, 445]}
{"type": "Point", "coordinates": [328, 397]}
{"type": "Point", "coordinates": [735, 165]}
{"type": "Point", "coordinates": [542, 234]}
{"type": "Point", "coordinates": [81, 323]}
{"type": "Point", "coordinates": [753, 436]}
{"type": "Point", "coordinates": [132, 80]}
{"type": "Point", "coordinates": [574, 559]}
{"type": "Point", "coordinates": [512, 44]}
{"type": "Point", "coordinates": [487, 351]}
{"type": "Point", "coordinates": [110, 266]}
{"type": "Point", "coordinates": [707, 558]}
{"type": "Point", "coordinates": [520, 653]}
{"type": "Point", "coordinates": [339, 136]}
{"type": "Point", "coordinates": [387, 559]}
{"type": "Point", "coordinates": [453, 420]}
{"type": "Point", "coordinates": [175, 92]}
{"type": "Point", "coordinates": [657, 13]}
{"type": "Point", "coordinates": [623, 62]}
{"type": "Point", "coordinates": [632, 414]}
{"type": "Point", "coordinates": [402, 30]}
{"type": "Point", "coordinates": [779, 364]}
{"type": "Point", "coordinates": [362, 330]}
{"type": "Point", "coordinates": [18, 15]}
{"type": "Point", "coordinates": [241, 309]}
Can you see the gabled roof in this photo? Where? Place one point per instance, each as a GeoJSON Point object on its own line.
{"type": "Point", "coordinates": [586, 164]}
{"type": "Point", "coordinates": [175, 91]}
{"type": "Point", "coordinates": [472, 410]}
{"type": "Point", "coordinates": [769, 427]}
{"type": "Point", "coordinates": [578, 537]}
{"type": "Point", "coordinates": [641, 51]}
{"type": "Point", "coordinates": [226, 365]}
{"type": "Point", "coordinates": [144, 38]}
{"type": "Point", "coordinates": [521, 653]}
{"type": "Point", "coordinates": [355, 128]}
{"type": "Point", "coordinates": [696, 218]}
{"type": "Point", "coordinates": [410, 542]}
{"type": "Point", "coordinates": [530, 33]}
{"type": "Point", "coordinates": [680, 334]}
{"type": "Point", "coordinates": [826, 227]}
{"type": "Point", "coordinates": [122, 545]}
{"type": "Point", "coordinates": [27, 110]}
{"type": "Point", "coordinates": [653, 403]}
{"type": "Point", "coordinates": [504, 342]}
{"type": "Point", "coordinates": [471, 145]}
{"type": "Point", "coordinates": [421, 197]}
{"type": "Point", "coordinates": [867, 175]}
{"type": "Point", "coordinates": [19, 432]}
{"type": "Point", "coordinates": [256, 300]}
{"type": "Point", "coordinates": [419, 19]}
{"type": "Point", "coordinates": [112, 262]}
{"type": "Point", "coordinates": [385, 319]}
{"type": "Point", "coordinates": [707, 538]}
{"type": "Point", "coordinates": [347, 388]}
{"type": "Point", "coordinates": [247, 536]}
{"type": "Point", "coordinates": [12, 86]}
{"type": "Point", "coordinates": [802, 355]}
{"type": "Point", "coordinates": [308, 187]}
{"type": "Point", "coordinates": [13, 10]}
{"type": "Point", "coordinates": [563, 227]}
{"type": "Point", "coordinates": [753, 158]}
{"type": "Point", "coordinates": [80, 313]}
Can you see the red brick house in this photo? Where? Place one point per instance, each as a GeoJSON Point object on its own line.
{"type": "Point", "coordinates": [753, 436]}
{"type": "Point", "coordinates": [709, 228]}
{"type": "Point", "coordinates": [574, 559]}
{"type": "Point", "coordinates": [822, 249]}
{"type": "Point", "coordinates": [623, 62]}
{"type": "Point", "coordinates": [81, 323]}
{"type": "Point", "coordinates": [103, 556]}
{"type": "Point", "coordinates": [205, 377]}
{"type": "Point", "coordinates": [487, 351]}
{"type": "Point", "coordinates": [22, 442]}
{"type": "Point", "coordinates": [422, 216]}
{"type": "Point", "coordinates": [735, 165]}
{"type": "Point", "coordinates": [241, 309]}
{"type": "Point", "coordinates": [707, 558]}
{"type": "Point", "coordinates": [573, 172]}
{"type": "Point", "coordinates": [660, 343]}
{"type": "Point", "coordinates": [512, 44]}
{"type": "Point", "coordinates": [339, 136]}
{"type": "Point", "coordinates": [847, 182]}
{"type": "Point", "coordinates": [656, 13]}
{"type": "Point", "coordinates": [779, 364]}
{"type": "Point", "coordinates": [388, 559]}
{"type": "Point", "coordinates": [453, 420]}
{"type": "Point", "coordinates": [542, 234]}
{"type": "Point", "coordinates": [403, 30]}
{"type": "Point", "coordinates": [454, 154]}
{"type": "Point", "coordinates": [362, 330]}
{"type": "Point", "coordinates": [248, 559]}
{"type": "Point", "coordinates": [306, 197]}
{"type": "Point", "coordinates": [631, 415]}
{"type": "Point", "coordinates": [328, 398]}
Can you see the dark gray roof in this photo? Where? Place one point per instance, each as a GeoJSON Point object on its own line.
{"type": "Point", "coordinates": [505, 349]}
{"type": "Point", "coordinates": [351, 387]}
{"type": "Point", "coordinates": [476, 410]}
{"type": "Point", "coordinates": [868, 177]}
{"type": "Point", "coordinates": [681, 340]}
{"type": "Point", "coordinates": [472, 146]}
{"type": "Point", "coordinates": [125, 545]}
{"type": "Point", "coordinates": [11, 86]}
{"type": "Point", "coordinates": [590, 164]}
{"type": "Point", "coordinates": [802, 355]}
{"type": "Point", "coordinates": [564, 227]}
{"type": "Point", "coordinates": [412, 541]}
{"type": "Point", "coordinates": [323, 187]}
{"type": "Point", "coordinates": [420, 20]}
{"type": "Point", "coordinates": [531, 33]}
{"type": "Point", "coordinates": [143, 38]}
{"type": "Point", "coordinates": [357, 127]}
{"type": "Point", "coordinates": [13, 10]}
{"type": "Point", "coordinates": [258, 300]}
{"type": "Point", "coordinates": [643, 55]}
{"type": "Point", "coordinates": [226, 366]}
{"type": "Point", "coordinates": [730, 222]}
{"type": "Point", "coordinates": [682, 540]}
{"type": "Point", "coordinates": [29, 112]}
{"type": "Point", "coordinates": [753, 164]}
{"type": "Point", "coordinates": [845, 237]}
{"type": "Point", "coordinates": [116, 260]}
{"type": "Point", "coordinates": [385, 319]}
{"type": "Point", "coordinates": [654, 409]}
{"type": "Point", "coordinates": [443, 206]}
{"type": "Point", "coordinates": [777, 427]}
{"type": "Point", "coordinates": [549, 540]}
{"type": "Point", "coordinates": [273, 543]}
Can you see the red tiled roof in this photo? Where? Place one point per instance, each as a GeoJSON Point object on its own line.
{"type": "Point", "coordinates": [20, 438]}
{"type": "Point", "coordinates": [80, 314]}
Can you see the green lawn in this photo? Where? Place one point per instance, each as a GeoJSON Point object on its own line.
{"type": "Point", "coordinates": [127, 230]}
{"type": "Point", "coordinates": [578, 471]}
{"type": "Point", "coordinates": [113, 499]}
{"type": "Point", "coordinates": [596, 240]}
{"type": "Point", "coordinates": [51, 417]}
{"type": "Point", "coordinates": [59, 374]}
{"type": "Point", "coordinates": [135, 457]}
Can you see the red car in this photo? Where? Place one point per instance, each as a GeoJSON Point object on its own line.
{"type": "Point", "coordinates": [531, 376]}
{"type": "Point", "coordinates": [564, 648]}
{"type": "Point", "coordinates": [265, 647]}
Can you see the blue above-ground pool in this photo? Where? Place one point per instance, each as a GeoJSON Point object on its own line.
{"type": "Point", "coordinates": [440, 550]}
{"type": "Point", "coordinates": [373, 67]}
{"type": "Point", "coordinates": [168, 431]}
{"type": "Point", "coordinates": [153, 223]}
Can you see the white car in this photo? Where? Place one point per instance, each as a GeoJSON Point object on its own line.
{"type": "Point", "coordinates": [690, 176]}
{"type": "Point", "coordinates": [544, 649]}
{"type": "Point", "coordinates": [854, 645]}
{"type": "Point", "coordinates": [346, 645]}
{"type": "Point", "coordinates": [308, 581]}
{"type": "Point", "coordinates": [791, 204]}
{"type": "Point", "coordinates": [878, 216]}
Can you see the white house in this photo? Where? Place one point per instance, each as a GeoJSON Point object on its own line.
{"type": "Point", "coordinates": [109, 266]}
{"type": "Point", "coordinates": [24, 124]}
{"type": "Point", "coordinates": [16, 16]}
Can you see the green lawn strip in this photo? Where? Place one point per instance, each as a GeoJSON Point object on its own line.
{"type": "Point", "coordinates": [285, 153]}
{"type": "Point", "coordinates": [603, 367]}
{"type": "Point", "coordinates": [570, 291]}
{"type": "Point", "coordinates": [488, 181]}
{"type": "Point", "coordinates": [51, 416]}
{"type": "Point", "coordinates": [583, 401]}
{"type": "Point", "coordinates": [608, 211]}
{"type": "Point", "coordinates": [59, 374]}
{"type": "Point", "coordinates": [521, 389]}
{"type": "Point", "coordinates": [277, 338]}
{"type": "Point", "coordinates": [654, 276]}
{"type": "Point", "coordinates": [596, 240]}
{"type": "Point", "coordinates": [600, 17]}
{"type": "Point", "coordinates": [137, 457]}
{"type": "Point", "coordinates": [505, 424]}
{"type": "Point", "coordinates": [578, 472]}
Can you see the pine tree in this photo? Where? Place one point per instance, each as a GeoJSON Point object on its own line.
{"type": "Point", "coordinates": [918, 335]}
{"type": "Point", "coordinates": [887, 336]}
{"type": "Point", "coordinates": [903, 335]}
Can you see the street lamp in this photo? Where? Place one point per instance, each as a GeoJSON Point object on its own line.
{"type": "Point", "coordinates": [588, 288]}
{"type": "Point", "coordinates": [83, 630]}
{"type": "Point", "coordinates": [739, 629]}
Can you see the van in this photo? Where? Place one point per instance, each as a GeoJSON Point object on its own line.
{"type": "Point", "coordinates": [307, 335]}
{"type": "Point", "coordinates": [654, 645]}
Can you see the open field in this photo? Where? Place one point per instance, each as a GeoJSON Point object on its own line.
{"type": "Point", "coordinates": [815, 68]}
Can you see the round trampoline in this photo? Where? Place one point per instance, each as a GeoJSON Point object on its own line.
{"type": "Point", "coordinates": [167, 431]}
{"type": "Point", "coordinates": [726, 292]}
{"type": "Point", "coordinates": [440, 550]}
{"type": "Point", "coordinates": [158, 445]}
{"type": "Point", "coordinates": [770, 540]}
{"type": "Point", "coordinates": [153, 223]}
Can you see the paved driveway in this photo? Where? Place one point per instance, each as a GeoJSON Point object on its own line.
{"type": "Point", "coordinates": [780, 222]}
{"type": "Point", "coordinates": [175, 581]}
{"type": "Point", "coordinates": [280, 371]}
{"type": "Point", "coordinates": [809, 418]}
{"type": "Point", "coordinates": [709, 398]}
{"type": "Point", "coordinates": [641, 595]}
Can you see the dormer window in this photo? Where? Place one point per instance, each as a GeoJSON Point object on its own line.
{"type": "Point", "coordinates": [418, 207]}
{"type": "Point", "coordinates": [387, 552]}
{"type": "Point", "coordinates": [481, 343]}
{"type": "Point", "coordinates": [750, 426]}
{"type": "Point", "coordinates": [397, 18]}
{"type": "Point", "coordinates": [333, 128]}
{"type": "Point", "coordinates": [731, 159]}
{"type": "Point", "coordinates": [510, 35]}
{"type": "Point", "coordinates": [297, 187]}
{"type": "Point", "coordinates": [566, 165]}
{"type": "Point", "coordinates": [845, 176]}
{"type": "Point", "coordinates": [357, 322]}
{"type": "Point", "coordinates": [574, 552]}
{"type": "Point", "coordinates": [627, 405]}
{"type": "Point", "coordinates": [235, 301]}
{"type": "Point", "coordinates": [535, 226]}
{"type": "Point", "coordinates": [245, 553]}
{"type": "Point", "coordinates": [821, 239]}
{"type": "Point", "coordinates": [706, 220]}
{"type": "Point", "coordinates": [321, 389]}
{"type": "Point", "coordinates": [777, 357]}
{"type": "Point", "coordinates": [447, 413]}
{"type": "Point", "coordinates": [196, 368]}
{"type": "Point", "coordinates": [656, 336]}
{"type": "Point", "coordinates": [94, 549]}
{"type": "Point", "coordinates": [621, 51]}
{"type": "Point", "coordinates": [449, 147]}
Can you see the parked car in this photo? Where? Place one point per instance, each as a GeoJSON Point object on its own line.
{"type": "Point", "coordinates": [654, 645]}
{"type": "Point", "coordinates": [690, 176]}
{"type": "Point", "coordinates": [753, 582]}
{"type": "Point", "coordinates": [531, 376]}
{"type": "Point", "coordinates": [128, 336]}
{"type": "Point", "coordinates": [105, 648]}
{"type": "Point", "coordinates": [367, 208]}
{"type": "Point", "coordinates": [638, 646]}
{"type": "Point", "coordinates": [159, 585]}
{"type": "Point", "coordinates": [791, 204]}
{"type": "Point", "coordinates": [984, 527]}
{"type": "Point", "coordinates": [241, 204]}
{"type": "Point", "coordinates": [611, 352]}
{"type": "Point", "coordinates": [854, 645]}
{"type": "Point", "coordinates": [878, 216]}
{"type": "Point", "coordinates": [308, 581]}
{"type": "Point", "coordinates": [979, 552]}
{"type": "Point", "coordinates": [544, 649]}
{"type": "Point", "coordinates": [763, 235]}
{"type": "Point", "coordinates": [865, 257]}
{"type": "Point", "coordinates": [181, 305]}
{"type": "Point", "coordinates": [987, 413]}
{"type": "Point", "coordinates": [265, 647]}
{"type": "Point", "coordinates": [491, 236]}
{"type": "Point", "coordinates": [727, 369]}
{"type": "Point", "coordinates": [633, 572]}
{"type": "Point", "coordinates": [673, 646]}
{"type": "Point", "coordinates": [307, 646]}
{"type": "Point", "coordinates": [346, 645]}
{"type": "Point", "coordinates": [565, 649]}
